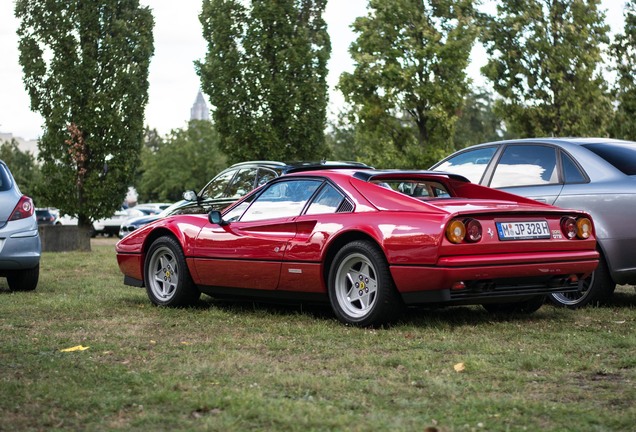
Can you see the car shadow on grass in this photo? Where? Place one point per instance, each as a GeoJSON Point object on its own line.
{"type": "Point", "coordinates": [455, 316]}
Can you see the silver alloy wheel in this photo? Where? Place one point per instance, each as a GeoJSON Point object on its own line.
{"type": "Point", "coordinates": [570, 299]}
{"type": "Point", "coordinates": [163, 274]}
{"type": "Point", "coordinates": [356, 285]}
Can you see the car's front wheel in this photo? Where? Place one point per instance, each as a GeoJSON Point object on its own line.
{"type": "Point", "coordinates": [593, 290]}
{"type": "Point", "coordinates": [168, 281]}
{"type": "Point", "coordinates": [24, 280]}
{"type": "Point", "coordinates": [361, 289]}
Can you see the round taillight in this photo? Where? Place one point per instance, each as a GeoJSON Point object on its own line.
{"type": "Point", "coordinates": [569, 227]}
{"type": "Point", "coordinates": [456, 231]}
{"type": "Point", "coordinates": [583, 228]}
{"type": "Point", "coordinates": [473, 230]}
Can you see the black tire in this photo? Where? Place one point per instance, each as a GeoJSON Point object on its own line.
{"type": "Point", "coordinates": [523, 307]}
{"type": "Point", "coordinates": [24, 280]}
{"type": "Point", "coordinates": [361, 289]}
{"type": "Point", "coordinates": [593, 291]}
{"type": "Point", "coordinates": [168, 281]}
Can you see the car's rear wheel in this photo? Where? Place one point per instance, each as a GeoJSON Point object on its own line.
{"type": "Point", "coordinates": [593, 290]}
{"type": "Point", "coordinates": [24, 280]}
{"type": "Point", "coordinates": [523, 307]}
{"type": "Point", "coordinates": [168, 281]}
{"type": "Point", "coordinates": [361, 289]}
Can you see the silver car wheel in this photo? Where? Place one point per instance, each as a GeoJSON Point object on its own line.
{"type": "Point", "coordinates": [356, 285]}
{"type": "Point", "coordinates": [163, 274]}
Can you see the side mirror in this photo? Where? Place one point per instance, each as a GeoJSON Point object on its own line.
{"type": "Point", "coordinates": [190, 196]}
{"type": "Point", "coordinates": [215, 217]}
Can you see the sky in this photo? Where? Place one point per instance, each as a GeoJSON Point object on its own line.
{"type": "Point", "coordinates": [173, 83]}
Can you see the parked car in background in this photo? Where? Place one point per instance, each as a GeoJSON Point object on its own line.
{"type": "Point", "coordinates": [229, 185]}
{"type": "Point", "coordinates": [110, 226]}
{"type": "Point", "coordinates": [597, 175]}
{"type": "Point", "coordinates": [152, 208]}
{"type": "Point", "coordinates": [20, 246]}
{"type": "Point", "coordinates": [368, 242]}
{"type": "Point", "coordinates": [45, 216]}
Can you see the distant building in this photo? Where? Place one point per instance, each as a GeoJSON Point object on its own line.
{"type": "Point", "coordinates": [30, 146]}
{"type": "Point", "coordinates": [199, 110]}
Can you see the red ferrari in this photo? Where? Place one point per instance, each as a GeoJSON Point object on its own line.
{"type": "Point", "coordinates": [368, 242]}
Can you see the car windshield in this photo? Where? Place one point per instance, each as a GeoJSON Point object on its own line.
{"type": "Point", "coordinates": [622, 156]}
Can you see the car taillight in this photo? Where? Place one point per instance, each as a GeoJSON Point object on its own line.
{"type": "Point", "coordinates": [583, 228]}
{"type": "Point", "coordinates": [468, 230]}
{"type": "Point", "coordinates": [24, 209]}
{"type": "Point", "coordinates": [473, 230]}
{"type": "Point", "coordinates": [456, 231]}
{"type": "Point", "coordinates": [576, 228]}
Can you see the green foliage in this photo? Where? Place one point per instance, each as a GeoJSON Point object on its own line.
{"type": "Point", "coordinates": [86, 71]}
{"type": "Point", "coordinates": [623, 52]}
{"type": "Point", "coordinates": [477, 121]}
{"type": "Point", "coordinates": [265, 73]}
{"type": "Point", "coordinates": [544, 63]}
{"type": "Point", "coordinates": [409, 81]}
{"type": "Point", "coordinates": [185, 160]}
{"type": "Point", "coordinates": [23, 167]}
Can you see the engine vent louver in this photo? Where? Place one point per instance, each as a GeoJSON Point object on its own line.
{"type": "Point", "coordinates": [345, 207]}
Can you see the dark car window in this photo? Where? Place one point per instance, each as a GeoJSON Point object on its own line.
{"type": "Point", "coordinates": [265, 175]}
{"type": "Point", "coordinates": [217, 187]}
{"type": "Point", "coordinates": [5, 179]}
{"type": "Point", "coordinates": [622, 156]}
{"type": "Point", "coordinates": [571, 172]}
{"type": "Point", "coordinates": [242, 183]}
{"type": "Point", "coordinates": [281, 199]}
{"type": "Point", "coordinates": [526, 165]}
{"type": "Point", "coordinates": [327, 201]}
{"type": "Point", "coordinates": [471, 164]}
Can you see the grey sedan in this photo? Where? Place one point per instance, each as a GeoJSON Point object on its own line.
{"type": "Point", "coordinates": [19, 239]}
{"type": "Point", "coordinates": [597, 175]}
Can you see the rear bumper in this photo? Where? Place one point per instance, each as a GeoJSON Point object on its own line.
{"type": "Point", "coordinates": [20, 246]}
{"type": "Point", "coordinates": [457, 281]}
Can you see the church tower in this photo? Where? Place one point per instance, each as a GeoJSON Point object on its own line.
{"type": "Point", "coordinates": [199, 110]}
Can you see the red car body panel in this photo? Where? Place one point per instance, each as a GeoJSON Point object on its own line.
{"type": "Point", "coordinates": [293, 254]}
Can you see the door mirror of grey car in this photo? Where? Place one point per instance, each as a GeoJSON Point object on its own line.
{"type": "Point", "coordinates": [215, 217]}
{"type": "Point", "coordinates": [190, 196]}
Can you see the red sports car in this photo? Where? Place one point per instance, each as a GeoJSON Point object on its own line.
{"type": "Point", "coordinates": [369, 242]}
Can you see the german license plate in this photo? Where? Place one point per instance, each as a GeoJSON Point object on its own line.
{"type": "Point", "coordinates": [523, 230]}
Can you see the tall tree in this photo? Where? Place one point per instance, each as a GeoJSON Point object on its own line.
{"type": "Point", "coordinates": [186, 159]}
{"type": "Point", "coordinates": [544, 61]}
{"type": "Point", "coordinates": [410, 77]}
{"type": "Point", "coordinates": [623, 52]}
{"type": "Point", "coordinates": [23, 168]}
{"type": "Point", "coordinates": [86, 70]}
{"type": "Point", "coordinates": [477, 121]}
{"type": "Point", "coordinates": [265, 73]}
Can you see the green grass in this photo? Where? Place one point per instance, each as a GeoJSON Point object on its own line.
{"type": "Point", "coordinates": [241, 366]}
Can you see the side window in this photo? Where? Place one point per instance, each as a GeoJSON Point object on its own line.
{"type": "Point", "coordinates": [571, 172]}
{"type": "Point", "coordinates": [327, 201]}
{"type": "Point", "coordinates": [281, 199]}
{"type": "Point", "coordinates": [471, 164]}
{"type": "Point", "coordinates": [216, 188]}
{"type": "Point", "coordinates": [235, 213]}
{"type": "Point", "coordinates": [526, 165]}
{"type": "Point", "coordinates": [242, 183]}
{"type": "Point", "coordinates": [265, 175]}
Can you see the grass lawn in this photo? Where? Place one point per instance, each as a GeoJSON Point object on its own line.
{"type": "Point", "coordinates": [242, 366]}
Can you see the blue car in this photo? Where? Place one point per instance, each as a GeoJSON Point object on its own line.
{"type": "Point", "coordinates": [20, 246]}
{"type": "Point", "coordinates": [597, 175]}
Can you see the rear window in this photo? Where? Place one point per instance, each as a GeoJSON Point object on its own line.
{"type": "Point", "coordinates": [5, 179]}
{"type": "Point", "coordinates": [622, 156]}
